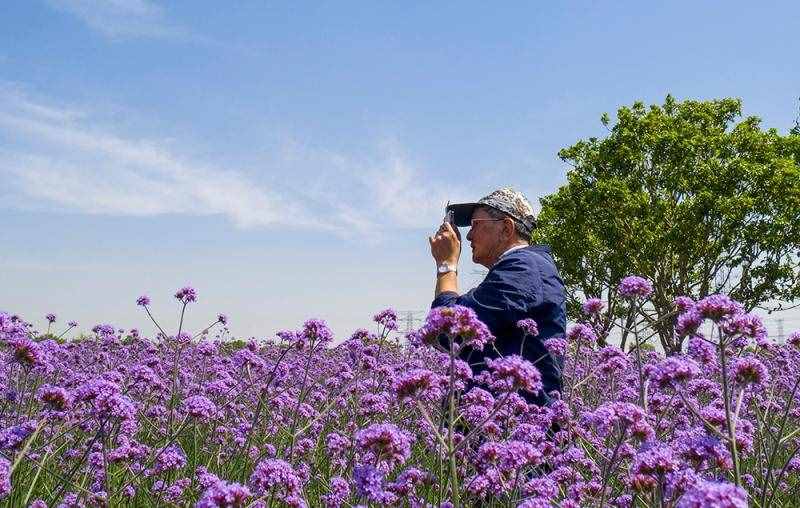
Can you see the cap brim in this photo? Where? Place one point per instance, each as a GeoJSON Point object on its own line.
{"type": "Point", "coordinates": [462, 213]}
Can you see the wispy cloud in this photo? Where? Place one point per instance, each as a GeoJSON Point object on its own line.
{"type": "Point", "coordinates": [54, 157]}
{"type": "Point", "coordinates": [120, 19]}
{"type": "Point", "coordinates": [406, 197]}
{"type": "Point", "coordinates": [60, 156]}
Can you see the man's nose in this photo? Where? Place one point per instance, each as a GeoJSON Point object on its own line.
{"type": "Point", "coordinates": [469, 235]}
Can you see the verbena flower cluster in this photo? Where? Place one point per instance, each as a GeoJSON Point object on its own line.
{"type": "Point", "coordinates": [304, 420]}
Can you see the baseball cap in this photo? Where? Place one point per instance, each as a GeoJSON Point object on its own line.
{"type": "Point", "coordinates": [506, 200]}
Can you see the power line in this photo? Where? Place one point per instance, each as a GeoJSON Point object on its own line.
{"type": "Point", "coordinates": [410, 318]}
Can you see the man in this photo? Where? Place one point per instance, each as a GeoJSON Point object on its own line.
{"type": "Point", "coordinates": [522, 282]}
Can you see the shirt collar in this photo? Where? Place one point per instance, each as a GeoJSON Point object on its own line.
{"type": "Point", "coordinates": [512, 249]}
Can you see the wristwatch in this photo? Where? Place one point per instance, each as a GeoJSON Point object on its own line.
{"type": "Point", "coordinates": [445, 267]}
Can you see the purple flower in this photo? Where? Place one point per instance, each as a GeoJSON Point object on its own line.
{"type": "Point", "coordinates": [714, 495]}
{"type": "Point", "coordinates": [556, 346]}
{"type": "Point", "coordinates": [633, 286]}
{"type": "Point", "coordinates": [222, 318]}
{"type": "Point", "coordinates": [276, 474]}
{"type": "Point", "coordinates": [688, 322]}
{"type": "Point", "coordinates": [291, 337]}
{"type": "Point", "coordinates": [701, 448]}
{"type": "Point", "coordinates": [186, 295]}
{"type": "Point", "coordinates": [204, 478]}
{"type": "Point", "coordinates": [477, 404]}
{"type": "Point", "coordinates": [514, 373]}
{"type": "Point", "coordinates": [336, 443]}
{"type": "Point", "coordinates": [716, 307]}
{"type": "Point", "coordinates": [71, 500]}
{"type": "Point", "coordinates": [701, 350]}
{"type": "Point", "coordinates": [508, 456]}
{"type": "Point", "coordinates": [51, 318]}
{"type": "Point", "coordinates": [455, 322]}
{"type": "Point", "coordinates": [628, 418]}
{"type": "Point", "coordinates": [794, 339]}
{"type": "Point", "coordinates": [316, 331]}
{"type": "Point", "coordinates": [144, 300]}
{"type": "Point", "coordinates": [386, 442]}
{"type": "Point", "coordinates": [369, 484]}
{"type": "Point", "coordinates": [794, 465]}
{"type": "Point", "coordinates": [535, 502]}
{"type": "Point", "coordinates": [72, 324]}
{"type": "Point", "coordinates": [386, 318]}
{"type": "Point", "coordinates": [612, 359]}
{"type": "Point", "coordinates": [5, 477]}
{"type": "Point", "coordinates": [528, 327]}
{"type": "Point", "coordinates": [674, 371]}
{"type": "Point", "coordinates": [172, 493]}
{"type": "Point", "coordinates": [544, 489]}
{"type": "Point", "coordinates": [127, 450]}
{"type": "Point", "coordinates": [13, 437]}
{"type": "Point", "coordinates": [171, 458]}
{"type": "Point", "coordinates": [422, 384]}
{"type": "Point", "coordinates": [652, 464]}
{"type": "Point", "coordinates": [405, 483]}
{"type": "Point", "coordinates": [55, 397]}
{"type": "Point", "coordinates": [182, 338]}
{"type": "Point", "coordinates": [749, 370]}
{"type": "Point", "coordinates": [582, 333]}
{"type": "Point", "coordinates": [339, 492]}
{"type": "Point", "coordinates": [593, 306]}
{"type": "Point", "coordinates": [683, 303]}
{"type": "Point", "coordinates": [680, 481]}
{"type": "Point", "coordinates": [28, 352]}
{"type": "Point", "coordinates": [104, 330]}
{"type": "Point", "coordinates": [199, 407]}
{"type": "Point", "coordinates": [746, 325]}
{"type": "Point", "coordinates": [225, 495]}
{"type": "Point", "coordinates": [106, 399]}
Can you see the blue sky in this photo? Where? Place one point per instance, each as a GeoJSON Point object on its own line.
{"type": "Point", "coordinates": [290, 159]}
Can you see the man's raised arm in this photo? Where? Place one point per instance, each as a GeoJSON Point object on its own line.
{"type": "Point", "coordinates": [445, 249]}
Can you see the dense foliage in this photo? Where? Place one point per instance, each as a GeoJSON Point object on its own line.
{"type": "Point", "coordinates": [181, 420]}
{"type": "Point", "coordinates": [685, 195]}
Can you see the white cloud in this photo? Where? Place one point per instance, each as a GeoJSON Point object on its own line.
{"type": "Point", "coordinates": [65, 162]}
{"type": "Point", "coordinates": [123, 18]}
{"type": "Point", "coordinates": [58, 156]}
{"type": "Point", "coordinates": [407, 199]}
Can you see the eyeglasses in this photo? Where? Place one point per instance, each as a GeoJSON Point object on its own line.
{"type": "Point", "coordinates": [473, 221]}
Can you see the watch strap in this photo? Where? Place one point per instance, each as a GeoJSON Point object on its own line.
{"type": "Point", "coordinates": [446, 267]}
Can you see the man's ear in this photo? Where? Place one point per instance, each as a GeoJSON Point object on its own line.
{"type": "Point", "coordinates": [510, 224]}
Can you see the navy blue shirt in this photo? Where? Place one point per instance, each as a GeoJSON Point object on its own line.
{"type": "Point", "coordinates": [524, 283]}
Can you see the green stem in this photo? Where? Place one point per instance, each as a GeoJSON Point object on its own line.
{"type": "Point", "coordinates": [451, 451]}
{"type": "Point", "coordinates": [729, 420]}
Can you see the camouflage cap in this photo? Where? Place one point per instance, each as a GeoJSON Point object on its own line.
{"type": "Point", "coordinates": [506, 200]}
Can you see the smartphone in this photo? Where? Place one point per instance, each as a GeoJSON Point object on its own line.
{"type": "Point", "coordinates": [449, 216]}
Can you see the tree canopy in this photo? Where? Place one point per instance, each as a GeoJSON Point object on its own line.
{"type": "Point", "coordinates": [690, 195]}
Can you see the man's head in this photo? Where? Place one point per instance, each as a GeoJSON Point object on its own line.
{"type": "Point", "coordinates": [491, 233]}
{"type": "Point", "coordinates": [497, 222]}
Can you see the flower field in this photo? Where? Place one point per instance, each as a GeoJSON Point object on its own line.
{"type": "Point", "coordinates": [302, 419]}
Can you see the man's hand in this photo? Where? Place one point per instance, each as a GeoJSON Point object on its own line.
{"type": "Point", "coordinates": [445, 245]}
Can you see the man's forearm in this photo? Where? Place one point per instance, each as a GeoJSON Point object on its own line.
{"type": "Point", "coordinates": [446, 282]}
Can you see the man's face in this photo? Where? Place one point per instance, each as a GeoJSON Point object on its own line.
{"type": "Point", "coordinates": [485, 238]}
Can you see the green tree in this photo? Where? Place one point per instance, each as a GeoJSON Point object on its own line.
{"type": "Point", "coordinates": [687, 194]}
